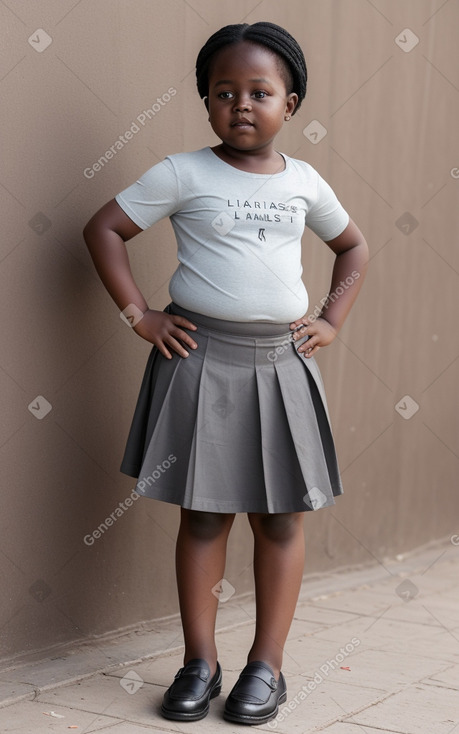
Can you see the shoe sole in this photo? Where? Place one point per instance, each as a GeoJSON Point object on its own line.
{"type": "Point", "coordinates": [192, 716]}
{"type": "Point", "coordinates": [243, 719]}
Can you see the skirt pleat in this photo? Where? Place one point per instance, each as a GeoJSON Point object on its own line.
{"type": "Point", "coordinates": [241, 425]}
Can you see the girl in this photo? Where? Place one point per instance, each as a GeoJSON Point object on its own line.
{"type": "Point", "coordinates": [231, 415]}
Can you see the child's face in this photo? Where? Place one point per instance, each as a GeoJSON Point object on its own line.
{"type": "Point", "coordinates": [245, 84]}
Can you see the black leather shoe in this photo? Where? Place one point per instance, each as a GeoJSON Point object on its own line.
{"type": "Point", "coordinates": [188, 697]}
{"type": "Point", "coordinates": [256, 696]}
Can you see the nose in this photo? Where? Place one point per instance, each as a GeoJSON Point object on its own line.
{"type": "Point", "coordinates": [242, 103]}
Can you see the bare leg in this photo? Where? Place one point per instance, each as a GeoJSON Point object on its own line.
{"type": "Point", "coordinates": [200, 564]}
{"type": "Point", "coordinates": [278, 569]}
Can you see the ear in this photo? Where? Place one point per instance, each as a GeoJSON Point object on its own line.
{"type": "Point", "coordinates": [292, 101]}
{"type": "Point", "coordinates": [206, 102]}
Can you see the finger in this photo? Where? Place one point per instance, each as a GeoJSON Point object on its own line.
{"type": "Point", "coordinates": [184, 337]}
{"type": "Point", "coordinates": [164, 350]}
{"type": "Point", "coordinates": [300, 331]}
{"type": "Point", "coordinates": [308, 345]}
{"type": "Point", "coordinates": [182, 321]}
{"type": "Point", "coordinates": [312, 351]}
{"type": "Point", "coordinates": [297, 323]}
{"type": "Point", "coordinates": [314, 346]}
{"type": "Point", "coordinates": [177, 347]}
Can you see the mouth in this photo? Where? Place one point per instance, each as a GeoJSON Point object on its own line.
{"type": "Point", "coordinates": [242, 122]}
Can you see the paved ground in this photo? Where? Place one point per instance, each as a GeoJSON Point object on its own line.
{"type": "Point", "coordinates": [370, 651]}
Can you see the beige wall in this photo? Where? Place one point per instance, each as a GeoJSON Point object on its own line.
{"type": "Point", "coordinates": [391, 144]}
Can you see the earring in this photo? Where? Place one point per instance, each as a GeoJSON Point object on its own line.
{"type": "Point", "coordinates": [287, 117]}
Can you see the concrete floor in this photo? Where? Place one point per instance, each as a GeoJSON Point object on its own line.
{"type": "Point", "coordinates": [371, 650]}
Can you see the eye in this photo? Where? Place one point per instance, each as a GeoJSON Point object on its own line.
{"type": "Point", "coordinates": [260, 94]}
{"type": "Point", "coordinates": [225, 95]}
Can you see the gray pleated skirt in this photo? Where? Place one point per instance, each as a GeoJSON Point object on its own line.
{"type": "Point", "coordinates": [240, 425]}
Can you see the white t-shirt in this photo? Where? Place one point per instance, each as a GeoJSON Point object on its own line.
{"type": "Point", "coordinates": [238, 233]}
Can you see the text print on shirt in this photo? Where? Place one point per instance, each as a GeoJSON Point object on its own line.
{"type": "Point", "coordinates": [240, 210]}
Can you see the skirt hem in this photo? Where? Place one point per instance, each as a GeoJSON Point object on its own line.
{"type": "Point", "coordinates": [234, 507]}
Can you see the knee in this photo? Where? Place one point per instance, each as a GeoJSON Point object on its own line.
{"type": "Point", "coordinates": [277, 528]}
{"type": "Point", "coordinates": [205, 526]}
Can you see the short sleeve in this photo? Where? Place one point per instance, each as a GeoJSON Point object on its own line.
{"type": "Point", "coordinates": [326, 217]}
{"type": "Point", "coordinates": [152, 197]}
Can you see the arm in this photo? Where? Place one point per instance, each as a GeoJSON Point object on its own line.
{"type": "Point", "coordinates": [105, 235]}
{"type": "Point", "coordinates": [349, 270]}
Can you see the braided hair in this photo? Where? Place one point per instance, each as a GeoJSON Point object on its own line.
{"type": "Point", "coordinates": [292, 65]}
